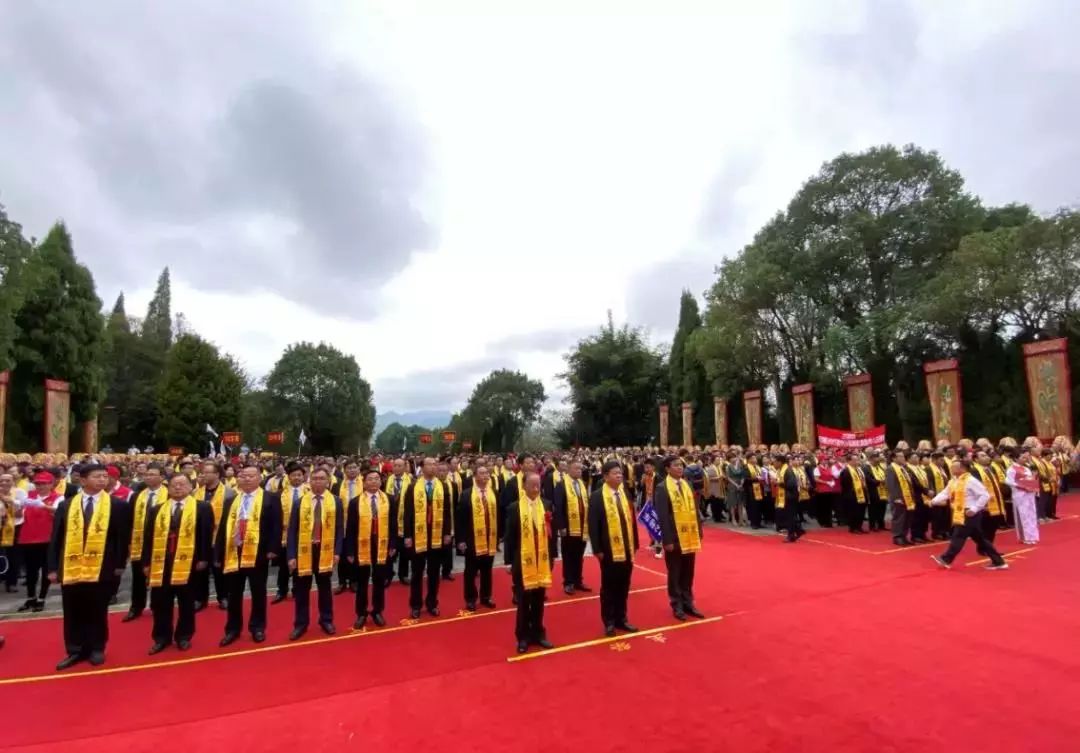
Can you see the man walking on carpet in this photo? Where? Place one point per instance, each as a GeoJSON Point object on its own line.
{"type": "Point", "coordinates": [967, 498]}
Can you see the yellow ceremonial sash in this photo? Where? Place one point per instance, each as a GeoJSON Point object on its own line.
{"type": "Point", "coordinates": [216, 502]}
{"type": "Point", "coordinates": [185, 543]}
{"type": "Point", "coordinates": [82, 560]}
{"type": "Point", "coordinates": [343, 493]}
{"type": "Point", "coordinates": [406, 479]}
{"type": "Point", "coordinates": [957, 499]}
{"type": "Point", "coordinates": [621, 551]}
{"type": "Point", "coordinates": [420, 506]}
{"type": "Point", "coordinates": [995, 505]}
{"type": "Point", "coordinates": [905, 486]}
{"type": "Point", "coordinates": [804, 483]}
{"type": "Point", "coordinates": [286, 505]}
{"type": "Point", "coordinates": [878, 472]}
{"type": "Point", "coordinates": [576, 525]}
{"type": "Point", "coordinates": [1046, 474]}
{"type": "Point", "coordinates": [363, 536]}
{"type": "Point", "coordinates": [143, 502]}
{"type": "Point", "coordinates": [685, 513]}
{"type": "Point", "coordinates": [7, 533]}
{"type": "Point", "coordinates": [328, 515]}
{"type": "Point", "coordinates": [755, 483]}
{"type": "Point", "coordinates": [781, 490]}
{"type": "Point", "coordinates": [857, 484]}
{"type": "Point", "coordinates": [485, 536]}
{"type": "Point", "coordinates": [535, 563]}
{"type": "Point", "coordinates": [939, 477]}
{"type": "Point", "coordinates": [250, 547]}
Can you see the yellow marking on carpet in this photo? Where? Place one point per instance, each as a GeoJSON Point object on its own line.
{"type": "Point", "coordinates": [613, 639]}
{"type": "Point", "coordinates": [913, 547]}
{"type": "Point", "coordinates": [840, 546]}
{"type": "Point", "coordinates": [299, 644]}
{"type": "Point", "coordinates": [986, 560]}
{"type": "Point", "coordinates": [620, 646]}
{"type": "Point", "coordinates": [649, 570]}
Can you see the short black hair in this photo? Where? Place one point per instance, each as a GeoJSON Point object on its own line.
{"type": "Point", "coordinates": [609, 466]}
{"type": "Point", "coordinates": [294, 466]}
{"type": "Point", "coordinates": [88, 468]}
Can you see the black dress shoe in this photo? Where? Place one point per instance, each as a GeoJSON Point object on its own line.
{"type": "Point", "coordinates": [360, 622]}
{"type": "Point", "coordinates": [258, 636]}
{"type": "Point", "coordinates": [223, 604]}
{"type": "Point", "coordinates": [328, 627]}
{"type": "Point", "coordinates": [470, 606]}
{"type": "Point", "coordinates": [97, 658]}
{"type": "Point", "coordinates": [183, 645]}
{"type": "Point", "coordinates": [200, 606]}
{"type": "Point", "coordinates": [434, 611]}
{"type": "Point", "coordinates": [68, 661]}
{"type": "Point", "coordinates": [522, 647]}
{"type": "Point", "coordinates": [513, 600]}
{"type": "Point", "coordinates": [26, 607]}
{"type": "Point", "coordinates": [404, 581]}
{"type": "Point", "coordinates": [132, 615]}
{"type": "Point", "coordinates": [414, 614]}
{"type": "Point", "coordinates": [113, 601]}
{"type": "Point", "coordinates": [297, 633]}
{"type": "Point", "coordinates": [568, 590]}
{"type": "Point", "coordinates": [39, 606]}
{"type": "Point", "coordinates": [229, 639]}
{"type": "Point", "coordinates": [545, 644]}
{"type": "Point", "coordinates": [448, 576]}
{"type": "Point", "coordinates": [339, 590]}
{"type": "Point", "coordinates": [278, 599]}
{"type": "Point", "coordinates": [377, 618]}
{"type": "Point", "coordinates": [693, 612]}
{"type": "Point", "coordinates": [157, 648]}
{"type": "Point", "coordinates": [609, 631]}
{"type": "Point", "coordinates": [921, 540]}
{"type": "Point", "coordinates": [679, 615]}
{"type": "Point", "coordinates": [582, 587]}
{"type": "Point", "coordinates": [627, 627]}
{"type": "Point", "coordinates": [488, 603]}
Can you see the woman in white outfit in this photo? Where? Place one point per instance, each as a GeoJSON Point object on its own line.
{"type": "Point", "coordinates": [1024, 483]}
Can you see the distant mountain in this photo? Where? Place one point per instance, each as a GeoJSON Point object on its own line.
{"type": "Point", "coordinates": [429, 419]}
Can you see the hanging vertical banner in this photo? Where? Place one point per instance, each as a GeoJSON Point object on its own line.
{"type": "Point", "coordinates": [752, 409]}
{"type": "Point", "coordinates": [860, 401]}
{"type": "Point", "coordinates": [943, 391]}
{"type": "Point", "coordinates": [663, 425]}
{"type": "Point", "coordinates": [720, 420]}
{"type": "Point", "coordinates": [5, 377]}
{"type": "Point", "coordinates": [90, 435]}
{"type": "Point", "coordinates": [57, 416]}
{"type": "Point", "coordinates": [688, 424]}
{"type": "Point", "coordinates": [805, 425]}
{"type": "Point", "coordinates": [1046, 364]}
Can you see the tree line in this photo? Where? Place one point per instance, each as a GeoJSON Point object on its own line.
{"type": "Point", "coordinates": [150, 380]}
{"type": "Point", "coordinates": [881, 262]}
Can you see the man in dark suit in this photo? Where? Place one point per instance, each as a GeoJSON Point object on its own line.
{"type": "Point", "coordinates": [374, 511]}
{"type": "Point", "coordinates": [571, 525]}
{"type": "Point", "coordinates": [477, 531]}
{"type": "Point", "coordinates": [614, 537]}
{"type": "Point", "coordinates": [173, 571]}
{"type": "Point", "coordinates": [88, 551]}
{"type": "Point", "coordinates": [307, 544]}
{"type": "Point", "coordinates": [680, 527]}
{"type": "Point", "coordinates": [216, 494]}
{"type": "Point", "coordinates": [248, 539]}
{"type": "Point", "coordinates": [526, 539]}
{"type": "Point", "coordinates": [427, 531]}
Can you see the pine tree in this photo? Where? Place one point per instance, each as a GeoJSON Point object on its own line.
{"type": "Point", "coordinates": [60, 335]}
{"type": "Point", "coordinates": [687, 380]}
{"type": "Point", "coordinates": [157, 327]}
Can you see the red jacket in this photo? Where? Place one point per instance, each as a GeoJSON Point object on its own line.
{"type": "Point", "coordinates": [38, 521]}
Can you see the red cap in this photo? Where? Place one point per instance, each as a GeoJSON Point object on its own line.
{"type": "Point", "coordinates": [113, 471]}
{"type": "Point", "coordinates": [43, 477]}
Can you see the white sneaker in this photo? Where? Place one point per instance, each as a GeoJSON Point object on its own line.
{"type": "Point", "coordinates": [659, 555]}
{"type": "Point", "coordinates": [1002, 566]}
{"type": "Point", "coordinates": [941, 562]}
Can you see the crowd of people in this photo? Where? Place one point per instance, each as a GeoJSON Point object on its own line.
{"type": "Point", "coordinates": [193, 530]}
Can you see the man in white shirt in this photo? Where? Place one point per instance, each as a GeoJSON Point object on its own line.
{"type": "Point", "coordinates": [967, 498]}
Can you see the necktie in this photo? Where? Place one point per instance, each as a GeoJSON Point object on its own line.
{"type": "Point", "coordinates": [352, 488]}
{"type": "Point", "coordinates": [622, 521]}
{"type": "Point", "coordinates": [397, 486]}
{"type": "Point", "coordinates": [487, 516]}
{"type": "Point", "coordinates": [88, 513]}
{"type": "Point", "coordinates": [316, 531]}
{"type": "Point", "coordinates": [374, 518]}
{"type": "Point", "coordinates": [241, 525]}
{"type": "Point", "coordinates": [580, 505]}
{"type": "Point", "coordinates": [430, 494]}
{"type": "Point", "coordinates": [174, 526]}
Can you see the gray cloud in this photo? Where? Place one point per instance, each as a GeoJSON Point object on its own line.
{"type": "Point", "coordinates": [545, 340]}
{"type": "Point", "coordinates": [439, 388]}
{"type": "Point", "coordinates": [213, 136]}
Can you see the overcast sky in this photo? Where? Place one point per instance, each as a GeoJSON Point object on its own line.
{"type": "Point", "coordinates": [442, 194]}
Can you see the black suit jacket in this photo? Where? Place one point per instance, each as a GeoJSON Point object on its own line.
{"type": "Point", "coordinates": [665, 513]}
{"type": "Point", "coordinates": [269, 528]}
{"type": "Point", "coordinates": [204, 538]}
{"type": "Point", "coordinates": [409, 517]}
{"type": "Point", "coordinates": [599, 535]}
{"type": "Point", "coordinates": [559, 515]}
{"type": "Point", "coordinates": [117, 540]}
{"type": "Point", "coordinates": [512, 542]}
{"type": "Point", "coordinates": [350, 546]}
{"type": "Point", "coordinates": [464, 530]}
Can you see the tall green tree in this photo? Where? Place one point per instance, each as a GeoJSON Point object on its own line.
{"type": "Point", "coordinates": [324, 394]}
{"type": "Point", "coordinates": [501, 405]}
{"type": "Point", "coordinates": [15, 252]}
{"type": "Point", "coordinates": [59, 335]}
{"type": "Point", "coordinates": [198, 386]}
{"type": "Point", "coordinates": [157, 327]}
{"type": "Point", "coordinates": [396, 436]}
{"type": "Point", "coordinates": [688, 381]}
{"type": "Point", "coordinates": [616, 380]}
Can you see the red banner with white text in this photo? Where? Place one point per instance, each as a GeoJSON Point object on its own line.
{"type": "Point", "coordinates": [851, 440]}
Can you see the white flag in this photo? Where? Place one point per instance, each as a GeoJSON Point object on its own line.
{"type": "Point", "coordinates": [404, 443]}
{"type": "Point", "coordinates": [210, 429]}
{"type": "Point", "coordinates": [211, 448]}
{"type": "Point", "coordinates": [303, 438]}
{"type": "Point", "coordinates": [223, 447]}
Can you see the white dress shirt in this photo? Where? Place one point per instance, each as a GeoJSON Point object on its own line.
{"type": "Point", "coordinates": [975, 495]}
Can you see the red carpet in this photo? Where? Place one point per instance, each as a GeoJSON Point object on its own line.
{"type": "Point", "coordinates": [822, 647]}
